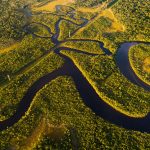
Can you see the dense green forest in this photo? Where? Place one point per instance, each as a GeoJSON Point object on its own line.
{"type": "Point", "coordinates": [89, 3]}
{"type": "Point", "coordinates": [140, 61]}
{"type": "Point", "coordinates": [36, 44]}
{"type": "Point", "coordinates": [135, 15]}
{"type": "Point", "coordinates": [63, 123]}
{"type": "Point", "coordinates": [11, 21]}
{"type": "Point", "coordinates": [127, 12]}
{"type": "Point", "coordinates": [91, 47]}
{"type": "Point", "coordinates": [111, 81]}
{"type": "Point", "coordinates": [16, 60]}
{"type": "Point", "coordinates": [12, 93]}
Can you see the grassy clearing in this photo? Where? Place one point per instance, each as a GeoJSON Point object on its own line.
{"type": "Point", "coordinates": [67, 124]}
{"type": "Point", "coordinates": [10, 48]}
{"type": "Point", "coordinates": [146, 65]}
{"type": "Point", "coordinates": [116, 25]}
{"type": "Point", "coordinates": [139, 57]}
{"type": "Point", "coordinates": [51, 6]}
{"type": "Point", "coordinates": [32, 140]}
{"type": "Point", "coordinates": [104, 76]}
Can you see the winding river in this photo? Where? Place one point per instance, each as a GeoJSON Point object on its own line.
{"type": "Point", "coordinates": [123, 63]}
{"type": "Point", "coordinates": [87, 92]}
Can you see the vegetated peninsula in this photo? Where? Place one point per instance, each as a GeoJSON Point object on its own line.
{"type": "Point", "coordinates": [74, 74]}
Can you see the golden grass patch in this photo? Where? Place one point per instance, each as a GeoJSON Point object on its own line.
{"type": "Point", "coordinates": [55, 132]}
{"type": "Point", "coordinates": [108, 13]}
{"type": "Point", "coordinates": [7, 49]}
{"type": "Point", "coordinates": [35, 136]}
{"type": "Point", "coordinates": [43, 128]}
{"type": "Point", "coordinates": [116, 25]}
{"type": "Point", "coordinates": [146, 65]}
{"type": "Point", "coordinates": [51, 6]}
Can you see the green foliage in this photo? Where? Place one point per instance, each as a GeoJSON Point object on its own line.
{"type": "Point", "coordinates": [11, 22]}
{"type": "Point", "coordinates": [57, 117]}
{"type": "Point", "coordinates": [89, 3]}
{"type": "Point", "coordinates": [83, 130]}
{"type": "Point", "coordinates": [11, 94]}
{"type": "Point", "coordinates": [140, 61]}
{"type": "Point", "coordinates": [28, 51]}
{"type": "Point", "coordinates": [97, 31]}
{"type": "Point", "coordinates": [108, 82]}
{"type": "Point", "coordinates": [67, 28]}
{"type": "Point", "coordinates": [39, 30]}
{"type": "Point", "coordinates": [87, 46]}
{"type": "Point", "coordinates": [46, 19]}
{"type": "Point", "coordinates": [4, 43]}
{"type": "Point", "coordinates": [135, 15]}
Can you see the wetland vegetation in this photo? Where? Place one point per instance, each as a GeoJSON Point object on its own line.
{"type": "Point", "coordinates": [140, 61]}
{"type": "Point", "coordinates": [61, 85]}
